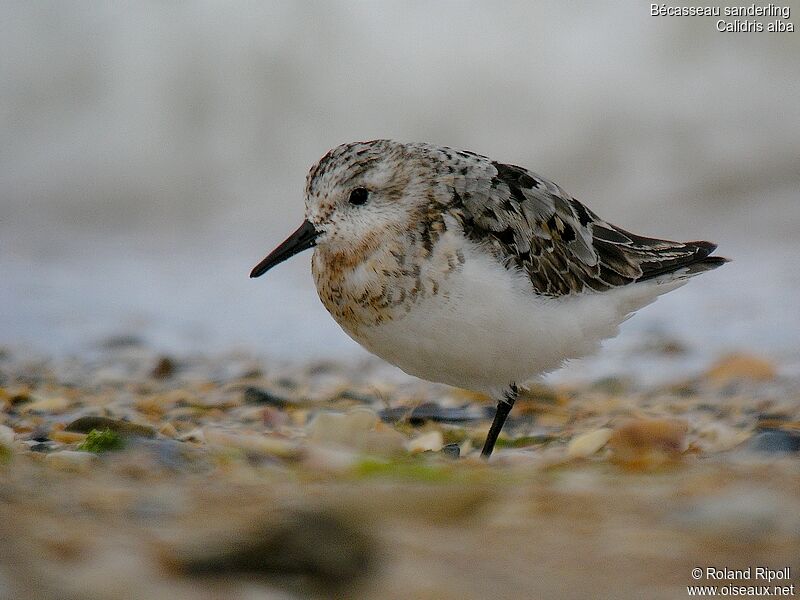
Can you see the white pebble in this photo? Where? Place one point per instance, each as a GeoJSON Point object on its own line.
{"type": "Point", "coordinates": [6, 436]}
{"type": "Point", "coordinates": [431, 440]}
{"type": "Point", "coordinates": [343, 429]}
{"type": "Point", "coordinates": [586, 444]}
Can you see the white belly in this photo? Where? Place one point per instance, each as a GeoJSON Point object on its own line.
{"type": "Point", "coordinates": [486, 328]}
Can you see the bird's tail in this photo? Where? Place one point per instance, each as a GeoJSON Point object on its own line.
{"type": "Point", "coordinates": [697, 260]}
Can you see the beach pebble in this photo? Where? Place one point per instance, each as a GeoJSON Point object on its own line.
{"type": "Point", "coordinates": [251, 443]}
{"type": "Point", "coordinates": [125, 428]}
{"type": "Point", "coordinates": [6, 436]}
{"type": "Point", "coordinates": [254, 395]}
{"type": "Point", "coordinates": [383, 440]}
{"type": "Point", "coordinates": [431, 440]}
{"type": "Point", "coordinates": [67, 437]}
{"type": "Point", "coordinates": [644, 443]}
{"type": "Point", "coordinates": [734, 367]}
{"type": "Point", "coordinates": [344, 429]}
{"type": "Point", "coordinates": [588, 443]}
{"type": "Point", "coordinates": [71, 460]}
{"type": "Point", "coordinates": [168, 430]}
{"type": "Point", "coordinates": [165, 367]}
{"type": "Point", "coordinates": [196, 436]}
{"type": "Point", "coordinates": [325, 548]}
{"type": "Point", "coordinates": [359, 428]}
{"type": "Point", "coordinates": [213, 400]}
{"type": "Point", "coordinates": [55, 404]}
{"type": "Point", "coordinates": [718, 437]}
{"type": "Point", "coordinates": [273, 417]}
{"type": "Point", "coordinates": [451, 450]}
{"type": "Point", "coordinates": [776, 441]}
{"type": "Point", "coordinates": [430, 411]}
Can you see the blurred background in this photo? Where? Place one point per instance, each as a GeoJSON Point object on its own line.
{"type": "Point", "coordinates": [151, 153]}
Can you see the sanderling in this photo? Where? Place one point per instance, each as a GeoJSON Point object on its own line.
{"type": "Point", "coordinates": [466, 271]}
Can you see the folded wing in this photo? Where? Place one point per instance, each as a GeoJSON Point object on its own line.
{"type": "Point", "coordinates": [532, 224]}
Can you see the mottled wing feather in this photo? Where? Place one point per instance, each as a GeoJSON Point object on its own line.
{"type": "Point", "coordinates": [533, 224]}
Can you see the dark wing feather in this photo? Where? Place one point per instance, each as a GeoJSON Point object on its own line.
{"type": "Point", "coordinates": [531, 223]}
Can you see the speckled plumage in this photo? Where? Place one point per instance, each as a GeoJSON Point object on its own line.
{"type": "Point", "coordinates": [524, 220]}
{"type": "Point", "coordinates": [470, 272]}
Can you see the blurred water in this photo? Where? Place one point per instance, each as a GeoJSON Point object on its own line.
{"type": "Point", "coordinates": [151, 153]}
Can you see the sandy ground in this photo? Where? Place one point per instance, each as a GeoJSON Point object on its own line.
{"type": "Point", "coordinates": [131, 475]}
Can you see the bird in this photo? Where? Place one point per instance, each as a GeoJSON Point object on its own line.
{"type": "Point", "coordinates": [478, 274]}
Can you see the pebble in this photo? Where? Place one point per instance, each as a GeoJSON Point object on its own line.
{"type": "Point", "coordinates": [67, 437]}
{"type": "Point", "coordinates": [196, 436]}
{"type": "Point", "coordinates": [431, 440]}
{"type": "Point", "coordinates": [6, 436]}
{"type": "Point", "coordinates": [55, 404]}
{"type": "Point", "coordinates": [644, 443]}
{"type": "Point", "coordinates": [451, 450]}
{"type": "Point", "coordinates": [586, 444]}
{"type": "Point", "coordinates": [257, 444]}
{"type": "Point", "coordinates": [344, 429]}
{"type": "Point", "coordinates": [168, 430]}
{"type": "Point", "coordinates": [37, 446]}
{"type": "Point", "coordinates": [739, 366]}
{"type": "Point", "coordinates": [126, 428]}
{"type": "Point", "coordinates": [718, 437]}
{"type": "Point", "coordinates": [325, 548]}
{"type": "Point", "coordinates": [359, 428]}
{"type": "Point", "coordinates": [777, 441]}
{"type": "Point", "coordinates": [71, 460]}
{"type": "Point", "coordinates": [213, 400]}
{"type": "Point", "coordinates": [165, 367]}
{"type": "Point", "coordinates": [384, 440]}
{"type": "Point", "coordinates": [430, 411]}
{"type": "Point", "coordinates": [254, 395]}
{"type": "Point", "coordinates": [273, 417]}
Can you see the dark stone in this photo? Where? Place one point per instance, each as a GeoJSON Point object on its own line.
{"type": "Point", "coordinates": [35, 446]}
{"type": "Point", "coordinates": [451, 450]}
{"type": "Point", "coordinates": [165, 367]}
{"type": "Point", "coordinates": [765, 421]}
{"type": "Point", "coordinates": [125, 428]}
{"type": "Point", "coordinates": [254, 395]}
{"type": "Point", "coordinates": [351, 395]}
{"type": "Point", "coordinates": [297, 548]}
{"type": "Point", "coordinates": [19, 398]}
{"type": "Point", "coordinates": [430, 411]}
{"type": "Point", "coordinates": [40, 435]}
{"type": "Point", "coordinates": [776, 441]}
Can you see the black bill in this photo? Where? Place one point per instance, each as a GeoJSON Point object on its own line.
{"type": "Point", "coordinates": [302, 239]}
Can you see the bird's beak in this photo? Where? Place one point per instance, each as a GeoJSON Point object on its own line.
{"type": "Point", "coordinates": [304, 238]}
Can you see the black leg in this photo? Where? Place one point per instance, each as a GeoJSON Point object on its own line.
{"type": "Point", "coordinates": [503, 408]}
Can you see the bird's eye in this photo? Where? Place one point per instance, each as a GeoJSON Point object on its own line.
{"type": "Point", "coordinates": [358, 196]}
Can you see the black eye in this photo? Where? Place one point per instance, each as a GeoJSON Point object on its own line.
{"type": "Point", "coordinates": [358, 196]}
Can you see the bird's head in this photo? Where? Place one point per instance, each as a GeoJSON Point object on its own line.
{"type": "Point", "coordinates": [356, 195]}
